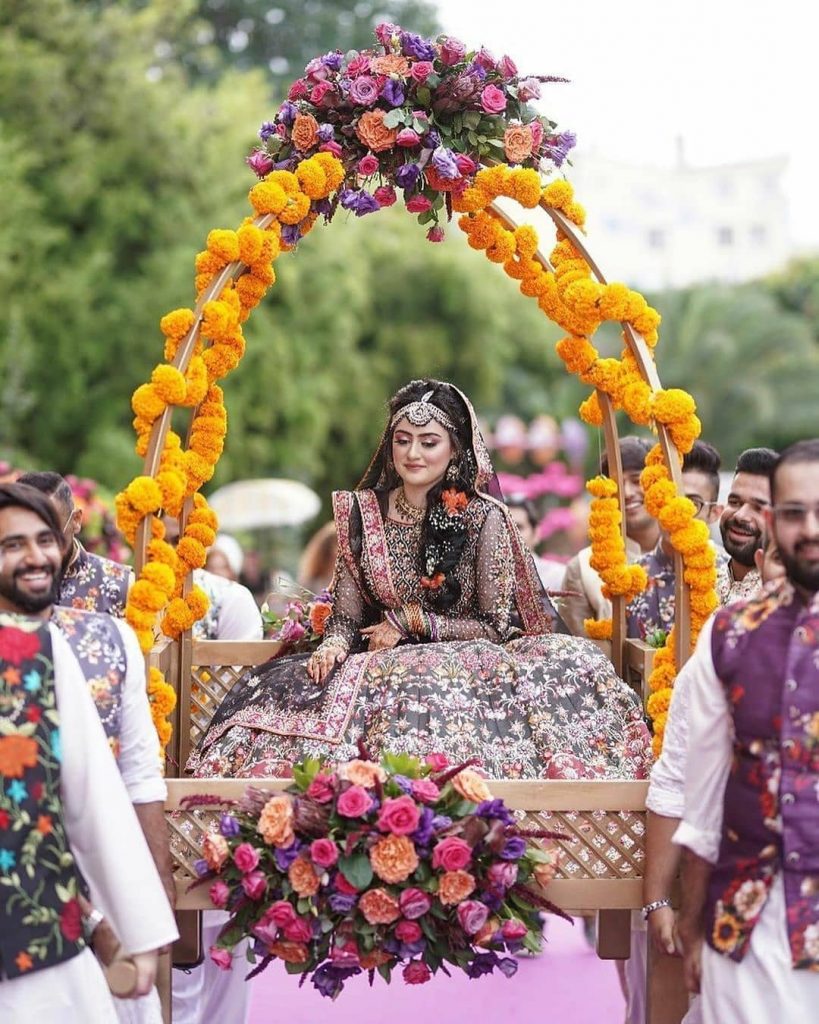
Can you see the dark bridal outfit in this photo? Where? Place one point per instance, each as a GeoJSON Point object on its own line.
{"type": "Point", "coordinates": [491, 677]}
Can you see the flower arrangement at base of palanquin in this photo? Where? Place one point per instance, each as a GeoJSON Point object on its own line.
{"type": "Point", "coordinates": [303, 622]}
{"type": "Point", "coordinates": [371, 866]}
{"type": "Point", "coordinates": [413, 114]}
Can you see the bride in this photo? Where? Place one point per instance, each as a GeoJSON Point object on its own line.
{"type": "Point", "coordinates": [441, 637]}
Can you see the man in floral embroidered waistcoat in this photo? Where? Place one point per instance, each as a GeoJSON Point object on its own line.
{"type": "Point", "coordinates": [751, 823]}
{"type": "Point", "coordinates": [90, 582]}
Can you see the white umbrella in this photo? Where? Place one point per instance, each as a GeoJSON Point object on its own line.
{"type": "Point", "coordinates": [252, 504]}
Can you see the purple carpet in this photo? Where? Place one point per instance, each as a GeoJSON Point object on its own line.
{"type": "Point", "coordinates": [566, 984]}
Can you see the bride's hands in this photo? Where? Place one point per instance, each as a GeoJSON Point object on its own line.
{"type": "Point", "coordinates": [382, 637]}
{"type": "Point", "coordinates": [322, 660]}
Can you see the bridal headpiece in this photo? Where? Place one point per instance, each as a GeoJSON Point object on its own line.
{"type": "Point", "coordinates": [421, 413]}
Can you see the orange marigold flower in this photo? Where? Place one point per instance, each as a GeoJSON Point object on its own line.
{"type": "Point", "coordinates": [598, 629]}
{"type": "Point", "coordinates": [455, 886]}
{"type": "Point", "coordinates": [17, 753]}
{"type": "Point", "coordinates": [379, 907]}
{"type": "Point", "coordinates": [276, 821]}
{"type": "Point", "coordinates": [394, 858]}
{"type": "Point", "coordinates": [268, 197]}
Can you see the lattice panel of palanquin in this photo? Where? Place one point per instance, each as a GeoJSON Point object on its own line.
{"type": "Point", "coordinates": [601, 863]}
{"type": "Point", "coordinates": [209, 686]}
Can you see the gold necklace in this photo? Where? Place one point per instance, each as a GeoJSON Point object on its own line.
{"type": "Point", "coordinates": [405, 507]}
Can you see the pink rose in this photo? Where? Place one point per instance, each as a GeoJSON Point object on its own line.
{"type": "Point", "coordinates": [280, 913]}
{"type": "Point", "coordinates": [419, 204]}
{"type": "Point", "coordinates": [298, 90]}
{"type": "Point", "coordinates": [504, 874]}
{"type": "Point", "coordinates": [437, 762]}
{"type": "Point", "coordinates": [364, 90]}
{"type": "Point", "coordinates": [354, 802]}
{"type": "Point", "coordinates": [245, 857]}
{"type": "Point", "coordinates": [298, 931]}
{"type": "Point", "coordinates": [321, 789]}
{"type": "Point", "coordinates": [368, 165]}
{"type": "Point", "coordinates": [399, 815]}
{"type": "Point", "coordinates": [384, 31]}
{"type": "Point", "coordinates": [316, 70]}
{"type": "Point", "coordinates": [260, 163]}
{"type": "Point", "coordinates": [416, 973]}
{"type": "Point", "coordinates": [407, 138]}
{"type": "Point", "coordinates": [414, 903]}
{"type": "Point", "coordinates": [435, 234]}
{"type": "Point", "coordinates": [537, 134]}
{"type": "Point", "coordinates": [324, 853]}
{"type": "Point", "coordinates": [385, 195]}
{"type": "Point", "coordinates": [513, 930]}
{"type": "Point", "coordinates": [219, 894]}
{"type": "Point", "coordinates": [292, 631]}
{"type": "Point", "coordinates": [472, 916]}
{"type": "Point", "coordinates": [425, 790]}
{"type": "Point", "coordinates": [320, 91]}
{"type": "Point", "coordinates": [343, 886]}
{"type": "Point", "coordinates": [331, 147]}
{"type": "Point", "coordinates": [451, 854]}
{"type": "Point", "coordinates": [507, 67]}
{"type": "Point", "coordinates": [453, 51]}
{"type": "Point", "coordinates": [421, 70]}
{"type": "Point", "coordinates": [358, 66]}
{"type": "Point", "coordinates": [265, 930]}
{"type": "Point", "coordinates": [466, 165]}
{"type": "Point", "coordinates": [408, 931]}
{"type": "Point", "coordinates": [485, 59]}
{"type": "Point", "coordinates": [221, 957]}
{"type": "Point", "coordinates": [528, 89]}
{"type": "Point", "coordinates": [255, 885]}
{"type": "Point", "coordinates": [493, 100]}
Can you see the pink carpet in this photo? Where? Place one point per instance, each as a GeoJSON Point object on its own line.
{"type": "Point", "coordinates": [567, 985]}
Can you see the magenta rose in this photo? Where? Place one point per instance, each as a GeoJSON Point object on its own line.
{"type": "Point", "coordinates": [425, 790]}
{"type": "Point", "coordinates": [408, 931]}
{"type": "Point", "coordinates": [358, 66]}
{"type": "Point", "coordinates": [507, 67]}
{"type": "Point", "coordinates": [280, 913]}
{"type": "Point", "coordinates": [292, 631]}
{"type": "Point", "coordinates": [323, 852]}
{"type": "Point", "coordinates": [317, 70]}
{"type": "Point", "coordinates": [321, 789]}
{"type": "Point", "coordinates": [259, 162]}
{"type": "Point", "coordinates": [493, 100]}
{"type": "Point", "coordinates": [416, 973]}
{"type": "Point", "coordinates": [255, 885]}
{"type": "Point", "coordinates": [414, 903]}
{"type": "Point", "coordinates": [435, 234]}
{"type": "Point", "coordinates": [354, 802]}
{"type": "Point", "coordinates": [266, 931]}
{"type": "Point", "coordinates": [219, 894]}
{"type": "Point", "coordinates": [221, 957]}
{"type": "Point", "coordinates": [364, 90]}
{"type": "Point", "coordinates": [419, 204]}
{"type": "Point", "coordinates": [513, 930]}
{"type": "Point", "coordinates": [537, 134]}
{"type": "Point", "coordinates": [485, 59]}
{"type": "Point", "coordinates": [451, 854]}
{"type": "Point", "coordinates": [438, 762]}
{"type": "Point", "coordinates": [407, 138]}
{"type": "Point", "coordinates": [331, 147]}
{"type": "Point", "coordinates": [384, 31]}
{"type": "Point", "coordinates": [298, 931]}
{"type": "Point", "coordinates": [385, 195]}
{"type": "Point", "coordinates": [399, 815]}
{"type": "Point", "coordinates": [503, 873]}
{"type": "Point", "coordinates": [453, 51]}
{"type": "Point", "coordinates": [368, 165]}
{"type": "Point", "coordinates": [472, 916]}
{"type": "Point", "coordinates": [465, 164]}
{"type": "Point", "coordinates": [245, 857]}
{"type": "Point", "coordinates": [319, 91]}
{"type": "Point", "coordinates": [298, 90]}
{"type": "Point", "coordinates": [528, 89]}
{"type": "Point", "coordinates": [421, 70]}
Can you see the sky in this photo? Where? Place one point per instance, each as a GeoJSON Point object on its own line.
{"type": "Point", "coordinates": [736, 79]}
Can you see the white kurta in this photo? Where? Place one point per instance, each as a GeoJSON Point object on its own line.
{"type": "Point", "coordinates": [112, 855]}
{"type": "Point", "coordinates": [764, 987]}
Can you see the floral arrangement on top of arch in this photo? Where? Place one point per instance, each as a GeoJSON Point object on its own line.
{"type": "Point", "coordinates": [420, 117]}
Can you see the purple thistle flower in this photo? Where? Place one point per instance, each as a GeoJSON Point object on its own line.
{"type": "Point", "coordinates": [444, 163]}
{"type": "Point", "coordinates": [495, 809]}
{"type": "Point", "coordinates": [341, 903]}
{"type": "Point", "coordinates": [284, 858]}
{"type": "Point", "coordinates": [326, 132]}
{"type": "Point", "coordinates": [287, 113]}
{"type": "Point", "coordinates": [407, 175]}
{"type": "Point", "coordinates": [513, 849]}
{"type": "Point", "coordinates": [413, 45]}
{"type": "Point", "coordinates": [393, 92]}
{"type": "Point", "coordinates": [268, 128]}
{"type": "Point", "coordinates": [228, 826]}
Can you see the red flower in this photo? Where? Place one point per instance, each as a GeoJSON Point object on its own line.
{"type": "Point", "coordinates": [33, 713]}
{"type": "Point", "coordinates": [71, 921]}
{"type": "Point", "coordinates": [4, 819]}
{"type": "Point", "coordinates": [454, 501]}
{"type": "Point", "coordinates": [17, 646]}
{"type": "Point", "coordinates": [416, 973]}
{"type": "Point", "coordinates": [433, 582]}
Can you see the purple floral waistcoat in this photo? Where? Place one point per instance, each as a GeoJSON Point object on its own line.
{"type": "Point", "coordinates": [95, 584]}
{"type": "Point", "coordinates": [98, 647]}
{"type": "Point", "coordinates": [766, 653]}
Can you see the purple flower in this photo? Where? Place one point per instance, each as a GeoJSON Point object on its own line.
{"type": "Point", "coordinates": [228, 826]}
{"type": "Point", "coordinates": [422, 836]}
{"type": "Point", "coordinates": [493, 897]}
{"type": "Point", "coordinates": [413, 45]}
{"type": "Point", "coordinates": [440, 822]}
{"type": "Point", "coordinates": [268, 128]}
{"type": "Point", "coordinates": [329, 979]}
{"type": "Point", "coordinates": [361, 203]}
{"type": "Point", "coordinates": [403, 783]}
{"type": "Point", "coordinates": [332, 60]}
{"type": "Point", "coordinates": [201, 867]}
{"type": "Point", "coordinates": [260, 163]}
{"type": "Point", "coordinates": [514, 848]}
{"type": "Point", "coordinates": [287, 113]}
{"type": "Point", "coordinates": [284, 858]}
{"type": "Point", "coordinates": [364, 90]}
{"type": "Point", "coordinates": [407, 175]}
{"type": "Point", "coordinates": [508, 966]}
{"type": "Point", "coordinates": [341, 903]}
{"type": "Point", "coordinates": [477, 70]}
{"type": "Point", "coordinates": [326, 132]}
{"type": "Point", "coordinates": [559, 146]}
{"type": "Point", "coordinates": [495, 809]}
{"type": "Point", "coordinates": [484, 963]}
{"type": "Point", "coordinates": [393, 92]}
{"type": "Point", "coordinates": [444, 163]}
{"type": "Point", "coordinates": [325, 208]}
{"type": "Point", "coordinates": [431, 140]}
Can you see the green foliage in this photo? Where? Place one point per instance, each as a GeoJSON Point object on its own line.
{"type": "Point", "coordinates": [796, 289]}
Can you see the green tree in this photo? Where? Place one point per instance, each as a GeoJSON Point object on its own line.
{"type": "Point", "coordinates": [796, 289]}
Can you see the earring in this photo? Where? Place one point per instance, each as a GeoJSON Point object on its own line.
{"type": "Point", "coordinates": [452, 471]}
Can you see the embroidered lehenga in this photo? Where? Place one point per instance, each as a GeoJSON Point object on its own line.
{"type": "Point", "coordinates": [493, 681]}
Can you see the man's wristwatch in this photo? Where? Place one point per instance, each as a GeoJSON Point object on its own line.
{"type": "Point", "coordinates": [90, 922]}
{"type": "Point", "coordinates": [649, 908]}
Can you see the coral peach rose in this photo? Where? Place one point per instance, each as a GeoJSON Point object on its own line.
{"type": "Point", "coordinates": [303, 877]}
{"type": "Point", "coordinates": [290, 952]}
{"type": "Point", "coordinates": [375, 958]}
{"type": "Point", "coordinates": [378, 907]}
{"type": "Point", "coordinates": [455, 886]}
{"type": "Point", "coordinates": [394, 859]}
{"type": "Point", "coordinates": [518, 143]}
{"type": "Point", "coordinates": [391, 64]}
{"type": "Point", "coordinates": [276, 822]}
{"type": "Point", "coordinates": [305, 132]}
{"type": "Point", "coordinates": [371, 131]}
{"type": "Point", "coordinates": [363, 773]}
{"type": "Point", "coordinates": [471, 786]}
{"type": "Point", "coordinates": [215, 850]}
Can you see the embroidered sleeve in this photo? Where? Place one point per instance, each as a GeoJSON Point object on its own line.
{"type": "Point", "coordinates": [494, 585]}
{"type": "Point", "coordinates": [348, 609]}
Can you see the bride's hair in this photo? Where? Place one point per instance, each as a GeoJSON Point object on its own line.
{"type": "Point", "coordinates": [443, 538]}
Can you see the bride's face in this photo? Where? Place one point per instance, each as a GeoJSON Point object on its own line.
{"type": "Point", "coordinates": [421, 454]}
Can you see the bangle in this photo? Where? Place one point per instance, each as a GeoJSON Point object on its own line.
{"type": "Point", "coordinates": [649, 908]}
{"type": "Point", "coordinates": [89, 923]}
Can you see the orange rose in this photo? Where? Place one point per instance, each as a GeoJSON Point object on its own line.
{"type": "Point", "coordinates": [378, 907]}
{"type": "Point", "coordinates": [362, 773]}
{"type": "Point", "coordinates": [319, 614]}
{"type": "Point", "coordinates": [303, 877]}
{"type": "Point", "coordinates": [290, 952]}
{"type": "Point", "coordinates": [390, 64]}
{"type": "Point", "coordinates": [518, 142]}
{"type": "Point", "coordinates": [455, 886]}
{"type": "Point", "coordinates": [471, 786]}
{"type": "Point", "coordinates": [394, 858]}
{"type": "Point", "coordinates": [305, 131]}
{"type": "Point", "coordinates": [17, 753]}
{"type": "Point", "coordinates": [371, 131]}
{"type": "Point", "coordinates": [276, 822]}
